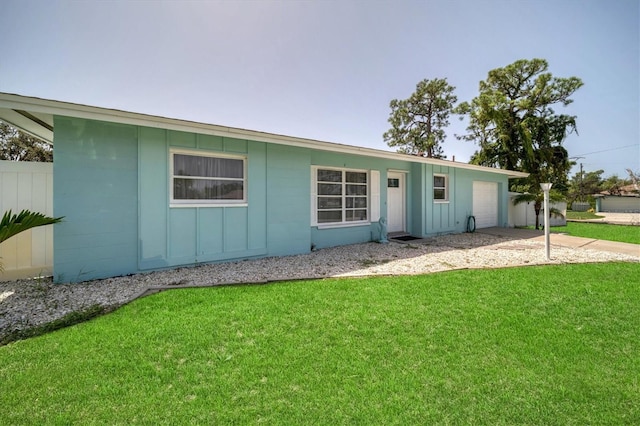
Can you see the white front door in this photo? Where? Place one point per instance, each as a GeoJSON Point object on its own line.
{"type": "Point", "coordinates": [395, 202]}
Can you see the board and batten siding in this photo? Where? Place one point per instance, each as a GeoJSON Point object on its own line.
{"type": "Point", "coordinates": [440, 216]}
{"type": "Point", "coordinates": [288, 200]}
{"type": "Point", "coordinates": [173, 236]}
{"type": "Point", "coordinates": [27, 185]}
{"type": "Point", "coordinates": [437, 217]}
{"type": "Point", "coordinates": [113, 185]}
{"type": "Point", "coordinates": [96, 190]}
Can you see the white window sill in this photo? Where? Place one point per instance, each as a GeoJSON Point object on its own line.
{"type": "Point", "coordinates": [441, 202]}
{"type": "Point", "coordinates": [174, 206]}
{"type": "Point", "coordinates": [340, 225]}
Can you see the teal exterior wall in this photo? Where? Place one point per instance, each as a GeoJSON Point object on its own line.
{"type": "Point", "coordinates": [95, 188]}
{"type": "Point", "coordinates": [112, 184]}
{"type": "Point", "coordinates": [288, 208]}
{"type": "Point", "coordinates": [189, 235]}
{"type": "Point", "coordinates": [329, 237]}
{"type": "Point", "coordinates": [451, 217]}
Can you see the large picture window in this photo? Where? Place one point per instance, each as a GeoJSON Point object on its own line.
{"type": "Point", "coordinates": [199, 178]}
{"type": "Point", "coordinates": [440, 188]}
{"type": "Point", "coordinates": [342, 196]}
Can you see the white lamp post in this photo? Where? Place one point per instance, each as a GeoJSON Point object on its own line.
{"type": "Point", "coordinates": [546, 187]}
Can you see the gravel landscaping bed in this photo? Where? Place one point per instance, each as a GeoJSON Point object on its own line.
{"type": "Point", "coordinates": [27, 304]}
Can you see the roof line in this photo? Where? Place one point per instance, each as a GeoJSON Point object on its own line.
{"type": "Point", "coordinates": [47, 106]}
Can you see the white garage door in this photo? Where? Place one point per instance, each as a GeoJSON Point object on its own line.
{"type": "Point", "coordinates": [485, 204]}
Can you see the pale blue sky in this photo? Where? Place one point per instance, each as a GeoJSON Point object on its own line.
{"type": "Point", "coordinates": [325, 69]}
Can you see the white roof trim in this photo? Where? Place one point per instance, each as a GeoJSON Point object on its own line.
{"type": "Point", "coordinates": [46, 106]}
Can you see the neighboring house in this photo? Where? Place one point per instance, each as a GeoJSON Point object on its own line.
{"type": "Point", "coordinates": [625, 200]}
{"type": "Point", "coordinates": [140, 192]}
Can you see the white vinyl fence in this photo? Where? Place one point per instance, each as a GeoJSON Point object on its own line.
{"type": "Point", "coordinates": [525, 215]}
{"type": "Point", "coordinates": [27, 185]}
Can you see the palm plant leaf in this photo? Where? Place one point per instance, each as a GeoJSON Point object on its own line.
{"type": "Point", "coordinates": [554, 197]}
{"type": "Point", "coordinates": [553, 212]}
{"type": "Point", "coordinates": [525, 198]}
{"type": "Point", "coordinates": [13, 224]}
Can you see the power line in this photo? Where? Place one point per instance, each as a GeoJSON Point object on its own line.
{"type": "Point", "coordinates": [610, 149]}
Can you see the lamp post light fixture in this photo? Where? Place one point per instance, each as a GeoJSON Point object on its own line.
{"type": "Point", "coordinates": [546, 187]}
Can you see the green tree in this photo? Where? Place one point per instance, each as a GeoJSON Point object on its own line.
{"type": "Point", "coordinates": [19, 146]}
{"type": "Point", "coordinates": [583, 186]}
{"type": "Point", "coordinates": [613, 184]}
{"type": "Point", "coordinates": [515, 126]}
{"type": "Point", "coordinates": [418, 123]}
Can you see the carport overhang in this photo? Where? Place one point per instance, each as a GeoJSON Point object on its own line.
{"type": "Point", "coordinates": [36, 124]}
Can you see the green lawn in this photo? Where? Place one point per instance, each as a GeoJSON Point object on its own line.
{"type": "Point", "coordinates": [536, 345]}
{"type": "Point", "coordinates": [582, 215]}
{"type": "Point", "coordinates": [601, 231]}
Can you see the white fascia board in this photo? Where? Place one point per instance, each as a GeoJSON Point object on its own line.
{"type": "Point", "coordinates": [117, 116]}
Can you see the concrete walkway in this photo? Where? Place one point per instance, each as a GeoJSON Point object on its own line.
{"type": "Point", "coordinates": [563, 240]}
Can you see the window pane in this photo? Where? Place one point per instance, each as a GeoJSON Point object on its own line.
{"type": "Point", "coordinates": [356, 177]}
{"type": "Point", "coordinates": [327, 216]}
{"type": "Point", "coordinates": [393, 183]}
{"type": "Point", "coordinates": [342, 196]}
{"type": "Point", "coordinates": [356, 202]}
{"type": "Point", "coordinates": [329, 175]}
{"type": "Point", "coordinates": [439, 194]}
{"type": "Point", "coordinates": [329, 189]}
{"type": "Point", "coordinates": [438, 181]}
{"type": "Point", "coordinates": [199, 189]}
{"type": "Point", "coordinates": [193, 165]}
{"type": "Point", "coordinates": [356, 190]}
{"type": "Point", "coordinates": [355, 215]}
{"type": "Point", "coordinates": [329, 202]}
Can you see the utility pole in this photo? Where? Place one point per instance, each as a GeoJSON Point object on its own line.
{"type": "Point", "coordinates": [581, 192]}
{"type": "Point", "coordinates": [634, 179]}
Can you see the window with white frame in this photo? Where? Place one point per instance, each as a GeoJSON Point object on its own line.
{"type": "Point", "coordinates": [207, 178]}
{"type": "Point", "coordinates": [440, 188]}
{"type": "Point", "coordinates": [341, 196]}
